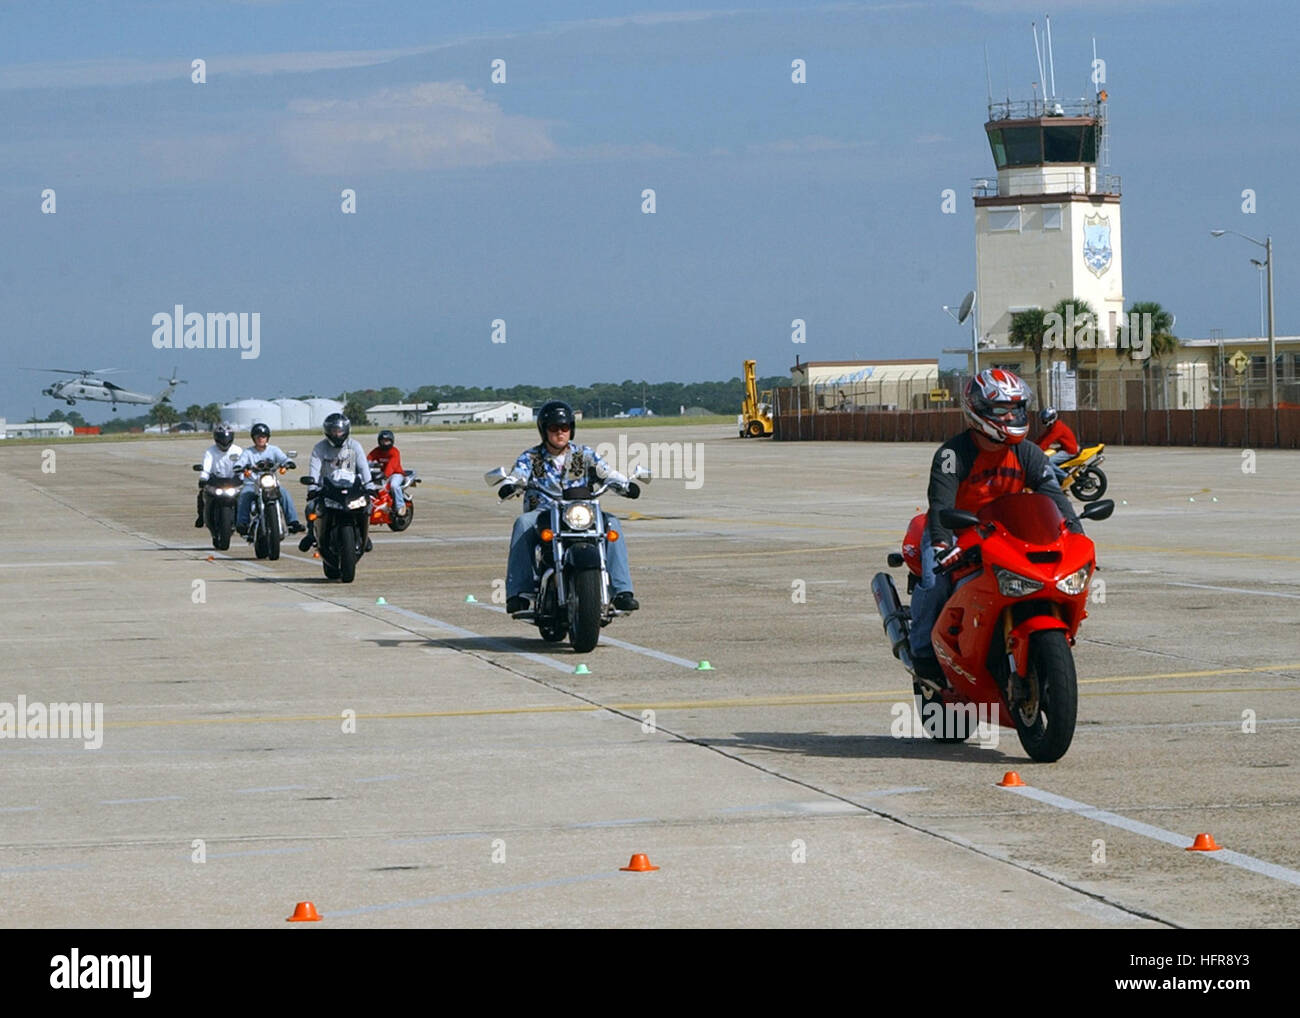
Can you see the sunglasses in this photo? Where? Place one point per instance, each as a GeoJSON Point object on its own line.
{"type": "Point", "coordinates": [559, 427]}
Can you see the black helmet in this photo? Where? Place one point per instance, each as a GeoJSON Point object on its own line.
{"type": "Point", "coordinates": [337, 429]}
{"type": "Point", "coordinates": [223, 434]}
{"type": "Point", "coordinates": [1047, 416]}
{"type": "Point", "coordinates": [386, 439]}
{"type": "Point", "coordinates": [555, 412]}
{"type": "Point", "coordinates": [259, 429]}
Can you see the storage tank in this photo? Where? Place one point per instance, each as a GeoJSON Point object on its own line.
{"type": "Point", "coordinates": [244, 413]}
{"type": "Point", "coordinates": [322, 408]}
{"type": "Point", "coordinates": [295, 415]}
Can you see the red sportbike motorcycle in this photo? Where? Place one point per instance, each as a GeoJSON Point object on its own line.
{"type": "Point", "coordinates": [1020, 589]}
{"type": "Point", "coordinates": [381, 505]}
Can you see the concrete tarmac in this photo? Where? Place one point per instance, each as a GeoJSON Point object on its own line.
{"type": "Point", "coordinates": [270, 736]}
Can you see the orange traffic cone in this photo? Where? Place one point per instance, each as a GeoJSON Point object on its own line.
{"type": "Point", "coordinates": [304, 912]}
{"type": "Point", "coordinates": [212, 558]}
{"type": "Point", "coordinates": [1204, 843]}
{"type": "Point", "coordinates": [639, 863]}
{"type": "Point", "coordinates": [1010, 780]}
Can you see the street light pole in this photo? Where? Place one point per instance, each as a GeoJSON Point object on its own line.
{"type": "Point", "coordinates": [1267, 245]}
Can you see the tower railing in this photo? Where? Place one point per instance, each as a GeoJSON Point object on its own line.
{"type": "Point", "coordinates": [1028, 109]}
{"type": "Point", "coordinates": [1064, 182]}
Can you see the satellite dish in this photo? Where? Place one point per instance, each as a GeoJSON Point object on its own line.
{"type": "Point", "coordinates": [967, 303]}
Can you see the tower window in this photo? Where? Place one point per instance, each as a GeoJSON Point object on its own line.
{"type": "Point", "coordinates": [1004, 220]}
{"type": "Point", "coordinates": [1051, 217]}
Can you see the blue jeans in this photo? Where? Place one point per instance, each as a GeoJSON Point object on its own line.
{"type": "Point", "coordinates": [395, 484]}
{"type": "Point", "coordinates": [245, 508]}
{"type": "Point", "coordinates": [1057, 459]}
{"type": "Point", "coordinates": [520, 578]}
{"type": "Point", "coordinates": [928, 599]}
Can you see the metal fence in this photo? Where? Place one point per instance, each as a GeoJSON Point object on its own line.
{"type": "Point", "coordinates": [1232, 427]}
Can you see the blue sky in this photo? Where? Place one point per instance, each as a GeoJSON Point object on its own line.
{"type": "Point", "coordinates": [522, 201]}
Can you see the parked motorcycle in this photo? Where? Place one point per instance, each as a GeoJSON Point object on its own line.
{"type": "Point", "coordinates": [220, 499]}
{"type": "Point", "coordinates": [572, 597]}
{"type": "Point", "coordinates": [1083, 477]}
{"type": "Point", "coordinates": [381, 506]}
{"type": "Point", "coordinates": [337, 523]}
{"type": "Point", "coordinates": [1003, 638]}
{"type": "Point", "coordinates": [266, 521]}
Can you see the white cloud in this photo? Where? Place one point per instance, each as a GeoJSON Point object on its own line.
{"type": "Point", "coordinates": [431, 125]}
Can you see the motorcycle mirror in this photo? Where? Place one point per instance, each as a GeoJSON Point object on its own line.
{"type": "Point", "coordinates": [290, 465]}
{"type": "Point", "coordinates": [307, 480]}
{"type": "Point", "coordinates": [198, 466]}
{"type": "Point", "coordinates": [957, 519]}
{"type": "Point", "coordinates": [495, 477]}
{"type": "Point", "coordinates": [642, 475]}
{"type": "Point", "coordinates": [1098, 510]}
{"type": "Point", "coordinates": [292, 453]}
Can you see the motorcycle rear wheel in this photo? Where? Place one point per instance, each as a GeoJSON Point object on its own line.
{"type": "Point", "coordinates": [1090, 485]}
{"type": "Point", "coordinates": [584, 624]}
{"type": "Point", "coordinates": [952, 725]}
{"type": "Point", "coordinates": [1047, 734]}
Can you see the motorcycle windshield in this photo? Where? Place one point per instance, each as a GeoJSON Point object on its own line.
{"type": "Point", "coordinates": [1031, 517]}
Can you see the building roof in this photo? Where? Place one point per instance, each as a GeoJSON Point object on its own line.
{"type": "Point", "coordinates": [382, 408]}
{"type": "Point", "coordinates": [475, 408]}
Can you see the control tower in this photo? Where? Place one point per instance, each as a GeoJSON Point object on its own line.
{"type": "Point", "coordinates": [1049, 228]}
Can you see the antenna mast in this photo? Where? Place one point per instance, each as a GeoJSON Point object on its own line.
{"type": "Point", "coordinates": [1051, 61]}
{"type": "Point", "coordinates": [1038, 55]}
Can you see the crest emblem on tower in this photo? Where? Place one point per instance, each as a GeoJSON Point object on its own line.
{"type": "Point", "coordinates": [1096, 244]}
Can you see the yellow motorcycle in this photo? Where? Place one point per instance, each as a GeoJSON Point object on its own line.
{"type": "Point", "coordinates": [1083, 477]}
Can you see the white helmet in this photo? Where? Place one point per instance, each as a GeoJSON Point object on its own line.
{"type": "Point", "coordinates": [996, 403]}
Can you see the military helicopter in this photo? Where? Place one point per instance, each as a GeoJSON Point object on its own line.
{"type": "Point", "coordinates": [88, 387]}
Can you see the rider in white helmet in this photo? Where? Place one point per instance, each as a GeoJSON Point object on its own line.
{"type": "Point", "coordinates": [987, 460]}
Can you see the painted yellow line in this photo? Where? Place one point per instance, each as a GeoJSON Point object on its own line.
{"type": "Point", "coordinates": [793, 700]}
{"type": "Point", "coordinates": [1193, 675]}
{"type": "Point", "coordinates": [1206, 552]}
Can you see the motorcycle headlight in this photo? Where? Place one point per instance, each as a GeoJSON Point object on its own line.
{"type": "Point", "coordinates": [1014, 585]}
{"type": "Point", "coordinates": [267, 481]}
{"type": "Point", "coordinates": [358, 503]}
{"type": "Point", "coordinates": [228, 492]}
{"type": "Point", "coordinates": [1076, 582]}
{"type": "Point", "coordinates": [578, 516]}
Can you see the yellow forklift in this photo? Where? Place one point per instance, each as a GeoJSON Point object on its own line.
{"type": "Point", "coordinates": [755, 418]}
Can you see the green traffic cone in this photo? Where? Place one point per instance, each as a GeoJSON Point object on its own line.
{"type": "Point", "coordinates": [380, 600]}
{"type": "Point", "coordinates": [471, 599]}
{"type": "Point", "coordinates": [582, 670]}
{"type": "Point", "coordinates": [704, 666]}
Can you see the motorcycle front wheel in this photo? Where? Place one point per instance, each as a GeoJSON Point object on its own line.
{"type": "Point", "coordinates": [275, 533]}
{"type": "Point", "coordinates": [223, 517]}
{"type": "Point", "coordinates": [1090, 485]}
{"type": "Point", "coordinates": [398, 523]}
{"type": "Point", "coordinates": [1046, 725]}
{"type": "Point", "coordinates": [345, 545]}
{"type": "Point", "coordinates": [584, 618]}
{"type": "Point", "coordinates": [549, 624]}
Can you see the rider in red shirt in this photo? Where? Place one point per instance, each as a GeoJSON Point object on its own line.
{"type": "Point", "coordinates": [987, 460]}
{"type": "Point", "coordinates": [386, 457]}
{"type": "Point", "coordinates": [1058, 433]}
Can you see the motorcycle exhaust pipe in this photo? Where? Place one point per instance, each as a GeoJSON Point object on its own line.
{"type": "Point", "coordinates": [891, 614]}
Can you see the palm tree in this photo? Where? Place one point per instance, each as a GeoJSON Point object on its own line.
{"type": "Point", "coordinates": [1162, 339]}
{"type": "Point", "coordinates": [1028, 331]}
{"type": "Point", "coordinates": [164, 414]}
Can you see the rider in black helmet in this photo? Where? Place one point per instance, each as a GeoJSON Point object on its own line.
{"type": "Point", "coordinates": [562, 463]}
{"type": "Point", "coordinates": [218, 461]}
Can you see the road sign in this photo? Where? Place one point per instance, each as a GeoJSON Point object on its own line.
{"type": "Point", "coordinates": [1240, 362]}
{"type": "Point", "coordinates": [940, 396]}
